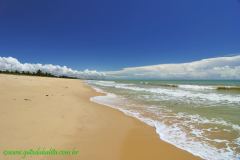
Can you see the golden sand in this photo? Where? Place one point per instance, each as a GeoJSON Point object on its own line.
{"type": "Point", "coordinates": [56, 113]}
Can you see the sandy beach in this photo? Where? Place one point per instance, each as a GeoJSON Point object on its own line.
{"type": "Point", "coordinates": [57, 113]}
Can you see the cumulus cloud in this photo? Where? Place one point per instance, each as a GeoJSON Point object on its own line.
{"type": "Point", "coordinates": [212, 68]}
{"type": "Point", "coordinates": [12, 64]}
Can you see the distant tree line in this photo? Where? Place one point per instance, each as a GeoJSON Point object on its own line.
{"type": "Point", "coordinates": [37, 73]}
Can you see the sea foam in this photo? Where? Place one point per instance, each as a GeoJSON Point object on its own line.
{"type": "Point", "coordinates": [171, 134]}
{"type": "Point", "coordinates": [177, 93]}
{"type": "Point", "coordinates": [174, 132]}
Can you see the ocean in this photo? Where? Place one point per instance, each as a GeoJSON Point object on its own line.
{"type": "Point", "coordinates": [199, 116]}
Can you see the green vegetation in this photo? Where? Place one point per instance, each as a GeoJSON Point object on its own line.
{"type": "Point", "coordinates": [37, 73]}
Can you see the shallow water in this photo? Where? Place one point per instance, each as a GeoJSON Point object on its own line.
{"type": "Point", "coordinates": [196, 116]}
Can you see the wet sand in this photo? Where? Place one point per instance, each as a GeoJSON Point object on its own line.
{"type": "Point", "coordinates": [41, 112]}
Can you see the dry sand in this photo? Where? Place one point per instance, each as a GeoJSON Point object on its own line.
{"type": "Point", "coordinates": [56, 113]}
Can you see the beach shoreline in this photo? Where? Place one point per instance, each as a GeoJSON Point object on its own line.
{"type": "Point", "coordinates": [57, 113]}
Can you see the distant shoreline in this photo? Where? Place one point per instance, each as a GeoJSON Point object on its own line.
{"type": "Point", "coordinates": [37, 73]}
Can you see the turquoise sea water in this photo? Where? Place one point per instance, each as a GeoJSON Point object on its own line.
{"type": "Point", "coordinates": [200, 116]}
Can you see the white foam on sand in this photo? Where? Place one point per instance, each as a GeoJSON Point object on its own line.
{"type": "Point", "coordinates": [172, 134]}
{"type": "Point", "coordinates": [184, 95]}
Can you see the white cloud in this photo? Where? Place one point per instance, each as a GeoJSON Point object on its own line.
{"type": "Point", "coordinates": [212, 68]}
{"type": "Point", "coordinates": [12, 64]}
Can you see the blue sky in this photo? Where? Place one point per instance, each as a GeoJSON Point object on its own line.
{"type": "Point", "coordinates": [111, 35]}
